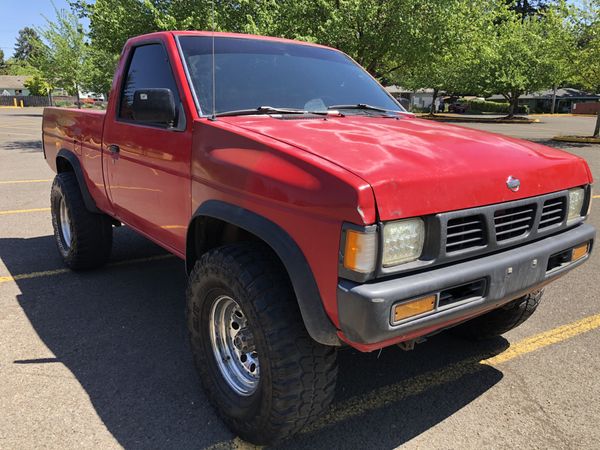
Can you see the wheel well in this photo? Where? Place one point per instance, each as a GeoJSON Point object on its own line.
{"type": "Point", "coordinates": [63, 165]}
{"type": "Point", "coordinates": [215, 224]}
{"type": "Point", "coordinates": [206, 233]}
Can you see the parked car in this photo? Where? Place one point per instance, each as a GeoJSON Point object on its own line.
{"type": "Point", "coordinates": [312, 212]}
{"type": "Point", "coordinates": [458, 107]}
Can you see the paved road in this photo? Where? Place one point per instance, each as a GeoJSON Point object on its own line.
{"type": "Point", "coordinates": [549, 126]}
{"type": "Point", "coordinates": [100, 359]}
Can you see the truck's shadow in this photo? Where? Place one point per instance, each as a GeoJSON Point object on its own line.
{"type": "Point", "coordinates": [25, 146]}
{"type": "Point", "coordinates": [121, 332]}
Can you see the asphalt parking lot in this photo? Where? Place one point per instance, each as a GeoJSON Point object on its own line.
{"type": "Point", "coordinates": [100, 359]}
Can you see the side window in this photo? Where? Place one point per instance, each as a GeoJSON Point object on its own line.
{"type": "Point", "coordinates": [148, 68]}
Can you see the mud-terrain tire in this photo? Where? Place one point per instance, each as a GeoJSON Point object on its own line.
{"type": "Point", "coordinates": [501, 320]}
{"type": "Point", "coordinates": [294, 378]}
{"type": "Point", "coordinates": [83, 238]}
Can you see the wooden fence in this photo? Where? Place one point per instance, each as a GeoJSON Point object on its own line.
{"type": "Point", "coordinates": [33, 100]}
{"type": "Point", "coordinates": [586, 108]}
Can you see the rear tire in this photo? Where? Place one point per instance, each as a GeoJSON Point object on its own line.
{"type": "Point", "coordinates": [84, 239]}
{"type": "Point", "coordinates": [501, 320]}
{"type": "Point", "coordinates": [244, 290]}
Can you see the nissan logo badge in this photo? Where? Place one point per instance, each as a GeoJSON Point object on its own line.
{"type": "Point", "coordinates": [513, 183]}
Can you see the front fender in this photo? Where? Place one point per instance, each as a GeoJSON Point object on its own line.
{"type": "Point", "coordinates": [305, 287]}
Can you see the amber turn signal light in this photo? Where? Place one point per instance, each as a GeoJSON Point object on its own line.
{"type": "Point", "coordinates": [580, 251]}
{"type": "Point", "coordinates": [361, 251]}
{"type": "Point", "coordinates": [415, 307]}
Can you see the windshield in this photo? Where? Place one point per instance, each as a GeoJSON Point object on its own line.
{"type": "Point", "coordinates": [251, 73]}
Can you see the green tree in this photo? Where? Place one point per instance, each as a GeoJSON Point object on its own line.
{"type": "Point", "coordinates": [99, 70]}
{"type": "Point", "coordinates": [524, 53]}
{"type": "Point", "coordinates": [588, 57]}
{"type": "Point", "coordinates": [26, 45]}
{"type": "Point", "coordinates": [38, 86]}
{"type": "Point", "coordinates": [368, 30]}
{"type": "Point", "coordinates": [381, 35]}
{"type": "Point", "coordinates": [447, 54]}
{"type": "Point", "coordinates": [17, 67]}
{"type": "Point", "coordinates": [528, 7]}
{"type": "Point", "coordinates": [61, 56]}
{"type": "Point", "coordinates": [557, 47]}
{"type": "Point", "coordinates": [112, 22]}
{"type": "Point", "coordinates": [377, 34]}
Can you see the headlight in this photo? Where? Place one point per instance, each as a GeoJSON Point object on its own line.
{"type": "Point", "coordinates": [360, 251]}
{"type": "Point", "coordinates": [576, 199]}
{"type": "Point", "coordinates": [402, 241]}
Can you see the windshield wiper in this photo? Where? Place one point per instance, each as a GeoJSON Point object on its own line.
{"type": "Point", "coordinates": [363, 106]}
{"type": "Point", "coordinates": [269, 110]}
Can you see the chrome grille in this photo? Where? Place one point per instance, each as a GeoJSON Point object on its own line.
{"type": "Point", "coordinates": [553, 213]}
{"type": "Point", "coordinates": [513, 222]}
{"type": "Point", "coordinates": [465, 232]}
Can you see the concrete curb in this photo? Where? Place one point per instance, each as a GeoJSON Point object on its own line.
{"type": "Point", "coordinates": [478, 120]}
{"type": "Point", "coordinates": [577, 139]}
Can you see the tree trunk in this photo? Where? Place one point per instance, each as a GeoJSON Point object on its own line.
{"type": "Point", "coordinates": [78, 99]}
{"type": "Point", "coordinates": [597, 129]}
{"type": "Point", "coordinates": [50, 98]}
{"type": "Point", "coordinates": [514, 104]}
{"type": "Point", "coordinates": [432, 109]}
{"type": "Point", "coordinates": [553, 108]}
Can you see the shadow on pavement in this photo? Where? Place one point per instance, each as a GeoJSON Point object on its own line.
{"type": "Point", "coordinates": [402, 394]}
{"type": "Point", "coordinates": [29, 146]}
{"type": "Point", "coordinates": [121, 331]}
{"type": "Point", "coordinates": [563, 145]}
{"type": "Point", "coordinates": [31, 114]}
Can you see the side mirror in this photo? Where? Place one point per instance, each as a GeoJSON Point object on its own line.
{"type": "Point", "coordinates": [156, 105]}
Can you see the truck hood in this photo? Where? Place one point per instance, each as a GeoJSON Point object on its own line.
{"type": "Point", "coordinates": [417, 167]}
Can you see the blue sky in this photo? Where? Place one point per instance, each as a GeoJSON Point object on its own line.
{"type": "Point", "coordinates": [16, 14]}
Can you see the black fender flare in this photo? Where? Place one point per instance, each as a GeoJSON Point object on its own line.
{"type": "Point", "coordinates": [73, 160]}
{"type": "Point", "coordinates": [316, 320]}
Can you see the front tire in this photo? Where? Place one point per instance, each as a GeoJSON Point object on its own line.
{"type": "Point", "coordinates": [261, 370]}
{"type": "Point", "coordinates": [501, 320]}
{"type": "Point", "coordinates": [84, 239]}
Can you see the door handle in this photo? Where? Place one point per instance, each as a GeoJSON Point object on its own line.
{"type": "Point", "coordinates": [114, 148]}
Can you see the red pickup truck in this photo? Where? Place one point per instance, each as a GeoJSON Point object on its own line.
{"type": "Point", "coordinates": [312, 212]}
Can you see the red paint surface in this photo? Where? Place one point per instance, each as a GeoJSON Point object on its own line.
{"type": "Point", "coordinates": [418, 167]}
{"type": "Point", "coordinates": [307, 176]}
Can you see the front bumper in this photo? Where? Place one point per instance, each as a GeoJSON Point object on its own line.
{"type": "Point", "coordinates": [364, 310]}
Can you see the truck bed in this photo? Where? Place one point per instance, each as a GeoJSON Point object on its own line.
{"type": "Point", "coordinates": [79, 131]}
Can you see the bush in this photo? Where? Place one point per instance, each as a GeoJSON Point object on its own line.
{"type": "Point", "coordinates": [420, 109]}
{"type": "Point", "coordinates": [494, 107]}
{"type": "Point", "coordinates": [63, 104]}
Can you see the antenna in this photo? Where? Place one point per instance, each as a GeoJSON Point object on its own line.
{"type": "Point", "coordinates": [214, 109]}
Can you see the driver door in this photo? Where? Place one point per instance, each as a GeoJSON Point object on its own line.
{"type": "Point", "coordinates": [147, 166]}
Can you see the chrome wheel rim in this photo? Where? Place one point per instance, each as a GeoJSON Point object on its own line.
{"type": "Point", "coordinates": [233, 346]}
{"type": "Point", "coordinates": [65, 224]}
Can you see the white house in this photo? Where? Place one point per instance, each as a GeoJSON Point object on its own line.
{"type": "Point", "coordinates": [420, 98]}
{"type": "Point", "coordinates": [13, 85]}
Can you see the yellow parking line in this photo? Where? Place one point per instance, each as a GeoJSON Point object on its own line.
{"type": "Point", "coordinates": [17, 127]}
{"type": "Point", "coordinates": [421, 383]}
{"type": "Point", "coordinates": [36, 135]}
{"type": "Point", "coordinates": [19, 211]}
{"type": "Point", "coordinates": [545, 339]}
{"type": "Point", "coordinates": [24, 181]}
{"type": "Point", "coordinates": [48, 273]}
{"type": "Point", "coordinates": [596, 196]}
